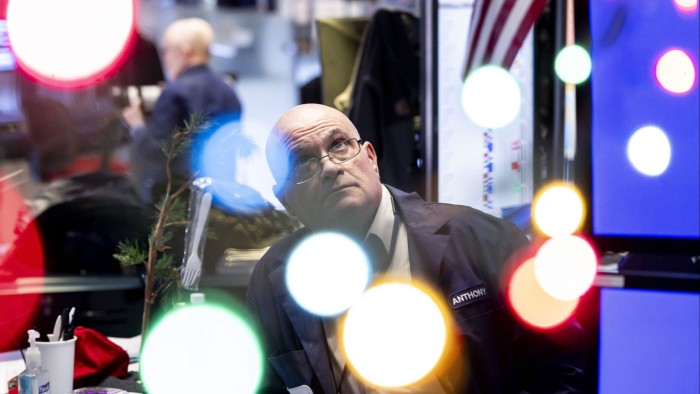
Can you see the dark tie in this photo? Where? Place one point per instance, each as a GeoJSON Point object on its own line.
{"type": "Point", "coordinates": [377, 253]}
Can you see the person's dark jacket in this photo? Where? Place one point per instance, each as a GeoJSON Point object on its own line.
{"type": "Point", "coordinates": [452, 248]}
{"type": "Point", "coordinates": [197, 90]}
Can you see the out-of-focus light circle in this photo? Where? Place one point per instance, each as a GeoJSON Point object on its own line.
{"type": "Point", "coordinates": [558, 210]}
{"type": "Point", "coordinates": [218, 152]}
{"type": "Point", "coordinates": [675, 71]}
{"type": "Point", "coordinates": [327, 273]}
{"type": "Point", "coordinates": [532, 304]}
{"type": "Point", "coordinates": [565, 267]}
{"type": "Point", "coordinates": [491, 97]}
{"type": "Point", "coordinates": [686, 5]}
{"type": "Point", "coordinates": [649, 150]}
{"type": "Point", "coordinates": [21, 256]}
{"type": "Point", "coordinates": [573, 64]}
{"type": "Point", "coordinates": [394, 335]}
{"type": "Point", "coordinates": [201, 349]}
{"type": "Point", "coordinates": [69, 43]}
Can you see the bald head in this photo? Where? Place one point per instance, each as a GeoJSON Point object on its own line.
{"type": "Point", "coordinates": [342, 194]}
{"type": "Point", "coordinates": [298, 122]}
{"type": "Point", "coordinates": [186, 43]}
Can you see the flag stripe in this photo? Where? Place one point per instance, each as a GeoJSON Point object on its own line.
{"type": "Point", "coordinates": [508, 33]}
{"type": "Point", "coordinates": [531, 17]}
{"type": "Point", "coordinates": [489, 15]}
{"type": "Point", "coordinates": [499, 26]}
{"type": "Point", "coordinates": [497, 31]}
{"type": "Point", "coordinates": [477, 22]}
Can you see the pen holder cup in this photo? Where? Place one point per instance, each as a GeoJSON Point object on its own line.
{"type": "Point", "coordinates": [59, 359]}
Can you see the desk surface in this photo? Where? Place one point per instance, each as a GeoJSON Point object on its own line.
{"type": "Point", "coordinates": [68, 284]}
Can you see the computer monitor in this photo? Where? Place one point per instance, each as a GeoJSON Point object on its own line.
{"type": "Point", "coordinates": [644, 334]}
{"type": "Point", "coordinates": [638, 158]}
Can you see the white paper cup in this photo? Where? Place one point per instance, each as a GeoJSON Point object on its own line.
{"type": "Point", "coordinates": [59, 359]}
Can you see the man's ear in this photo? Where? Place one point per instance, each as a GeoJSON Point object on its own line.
{"type": "Point", "coordinates": [372, 155]}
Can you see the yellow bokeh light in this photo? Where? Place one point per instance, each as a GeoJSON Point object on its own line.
{"type": "Point", "coordinates": [532, 304]}
{"type": "Point", "coordinates": [326, 273]}
{"type": "Point", "coordinates": [201, 349]}
{"type": "Point", "coordinates": [491, 97]}
{"type": "Point", "coordinates": [558, 210]}
{"type": "Point", "coordinates": [675, 71]}
{"type": "Point", "coordinates": [649, 151]}
{"type": "Point", "coordinates": [394, 335]}
{"type": "Point", "coordinates": [565, 267]}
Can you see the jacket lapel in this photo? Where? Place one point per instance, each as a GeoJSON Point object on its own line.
{"type": "Point", "coordinates": [426, 248]}
{"type": "Point", "coordinates": [309, 330]}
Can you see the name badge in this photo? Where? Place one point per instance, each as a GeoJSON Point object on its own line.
{"type": "Point", "coordinates": [468, 296]}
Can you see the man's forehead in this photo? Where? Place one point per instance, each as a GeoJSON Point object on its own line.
{"type": "Point", "coordinates": [310, 136]}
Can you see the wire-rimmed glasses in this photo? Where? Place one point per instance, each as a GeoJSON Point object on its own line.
{"type": "Point", "coordinates": [339, 153]}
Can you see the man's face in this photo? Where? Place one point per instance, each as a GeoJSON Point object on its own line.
{"type": "Point", "coordinates": [343, 196]}
{"type": "Point", "coordinates": [174, 59]}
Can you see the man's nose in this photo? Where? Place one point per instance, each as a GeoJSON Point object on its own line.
{"type": "Point", "coordinates": [328, 167]}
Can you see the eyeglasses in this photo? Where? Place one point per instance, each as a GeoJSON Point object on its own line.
{"type": "Point", "coordinates": [339, 153]}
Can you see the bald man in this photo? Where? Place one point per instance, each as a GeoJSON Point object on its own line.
{"type": "Point", "coordinates": [192, 87]}
{"type": "Point", "coordinates": [328, 178]}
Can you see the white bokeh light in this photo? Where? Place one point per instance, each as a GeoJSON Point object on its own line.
{"type": "Point", "coordinates": [491, 97]}
{"type": "Point", "coordinates": [686, 5]}
{"type": "Point", "coordinates": [394, 335]}
{"type": "Point", "coordinates": [565, 267]}
{"type": "Point", "coordinates": [193, 343]}
{"type": "Point", "coordinates": [64, 42]}
{"type": "Point", "coordinates": [327, 273]}
{"type": "Point", "coordinates": [573, 64]}
{"type": "Point", "coordinates": [558, 210]}
{"type": "Point", "coordinates": [675, 71]}
{"type": "Point", "coordinates": [649, 151]}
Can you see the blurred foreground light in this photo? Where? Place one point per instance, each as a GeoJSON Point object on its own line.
{"type": "Point", "coordinates": [69, 43]}
{"type": "Point", "coordinates": [532, 304]}
{"type": "Point", "coordinates": [491, 97]}
{"type": "Point", "coordinates": [327, 273]}
{"type": "Point", "coordinates": [217, 154]}
{"type": "Point", "coordinates": [675, 71]}
{"type": "Point", "coordinates": [649, 151]}
{"type": "Point", "coordinates": [573, 64]}
{"type": "Point", "coordinates": [21, 263]}
{"type": "Point", "coordinates": [558, 210]}
{"type": "Point", "coordinates": [565, 267]}
{"type": "Point", "coordinates": [394, 335]}
{"type": "Point", "coordinates": [687, 5]}
{"type": "Point", "coordinates": [201, 349]}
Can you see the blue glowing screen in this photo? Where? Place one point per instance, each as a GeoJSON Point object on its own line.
{"type": "Point", "coordinates": [627, 39]}
{"type": "Point", "coordinates": [649, 342]}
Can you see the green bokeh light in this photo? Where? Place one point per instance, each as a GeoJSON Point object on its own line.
{"type": "Point", "coordinates": [201, 349]}
{"type": "Point", "coordinates": [573, 64]}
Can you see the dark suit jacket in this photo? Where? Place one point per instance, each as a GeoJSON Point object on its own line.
{"type": "Point", "coordinates": [453, 248]}
{"type": "Point", "coordinates": [198, 89]}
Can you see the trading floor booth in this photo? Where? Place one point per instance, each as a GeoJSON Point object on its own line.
{"type": "Point", "coordinates": [627, 138]}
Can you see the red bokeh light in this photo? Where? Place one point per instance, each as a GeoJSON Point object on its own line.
{"type": "Point", "coordinates": [71, 43]}
{"type": "Point", "coordinates": [21, 255]}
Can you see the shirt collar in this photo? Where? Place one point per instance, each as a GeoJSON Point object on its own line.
{"type": "Point", "coordinates": [383, 222]}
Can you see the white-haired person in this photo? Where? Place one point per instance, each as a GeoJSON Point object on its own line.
{"type": "Point", "coordinates": [192, 87]}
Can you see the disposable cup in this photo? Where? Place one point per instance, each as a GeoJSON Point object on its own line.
{"type": "Point", "coordinates": [59, 359]}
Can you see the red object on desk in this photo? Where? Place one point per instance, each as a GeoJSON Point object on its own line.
{"type": "Point", "coordinates": [96, 358]}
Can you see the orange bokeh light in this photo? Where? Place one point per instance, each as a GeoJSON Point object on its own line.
{"type": "Point", "coordinates": [532, 304]}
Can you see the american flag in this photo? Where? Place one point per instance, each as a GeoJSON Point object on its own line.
{"type": "Point", "coordinates": [497, 31]}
